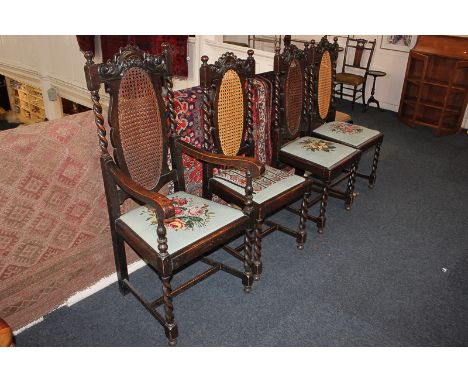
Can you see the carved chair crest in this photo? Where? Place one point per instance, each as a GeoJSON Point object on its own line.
{"type": "Point", "coordinates": [136, 82]}
{"type": "Point", "coordinates": [227, 103]}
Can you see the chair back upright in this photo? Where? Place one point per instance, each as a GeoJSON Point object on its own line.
{"type": "Point", "coordinates": [357, 61]}
{"type": "Point", "coordinates": [290, 95]}
{"type": "Point", "coordinates": [142, 124]}
{"type": "Point", "coordinates": [322, 63]}
{"type": "Point", "coordinates": [228, 104]}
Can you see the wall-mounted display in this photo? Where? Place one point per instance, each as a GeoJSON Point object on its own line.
{"type": "Point", "coordinates": [402, 43]}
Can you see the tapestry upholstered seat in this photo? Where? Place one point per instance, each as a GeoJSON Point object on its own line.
{"type": "Point", "coordinates": [325, 162]}
{"type": "Point", "coordinates": [319, 151]}
{"type": "Point", "coordinates": [194, 219]}
{"type": "Point", "coordinates": [352, 135]}
{"type": "Point", "coordinates": [167, 232]}
{"type": "Point", "coordinates": [228, 116]}
{"type": "Point", "coordinates": [340, 130]}
{"type": "Point", "coordinates": [269, 185]}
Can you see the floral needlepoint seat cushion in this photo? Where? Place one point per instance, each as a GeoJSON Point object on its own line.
{"type": "Point", "coordinates": [322, 152]}
{"type": "Point", "coordinates": [272, 183]}
{"type": "Point", "coordinates": [194, 219]}
{"type": "Point", "coordinates": [352, 135]}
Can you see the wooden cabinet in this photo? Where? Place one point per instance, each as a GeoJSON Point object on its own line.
{"type": "Point", "coordinates": [26, 101]}
{"type": "Point", "coordinates": [435, 91]}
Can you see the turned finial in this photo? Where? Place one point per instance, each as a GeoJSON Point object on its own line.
{"type": "Point", "coordinates": [205, 60]}
{"type": "Point", "coordinates": [89, 55]}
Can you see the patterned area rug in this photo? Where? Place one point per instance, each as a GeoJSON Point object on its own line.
{"type": "Point", "coordinates": [54, 233]}
{"type": "Point", "coordinates": [188, 105]}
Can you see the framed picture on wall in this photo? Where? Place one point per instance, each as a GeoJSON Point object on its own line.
{"type": "Point", "coordinates": [402, 43]}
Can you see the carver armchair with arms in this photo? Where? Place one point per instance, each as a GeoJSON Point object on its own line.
{"type": "Point", "coordinates": [321, 160]}
{"type": "Point", "coordinates": [228, 94]}
{"type": "Point", "coordinates": [168, 232]}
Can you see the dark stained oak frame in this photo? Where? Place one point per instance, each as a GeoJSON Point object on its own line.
{"type": "Point", "coordinates": [120, 186]}
{"type": "Point", "coordinates": [324, 179]}
{"type": "Point", "coordinates": [211, 76]}
{"type": "Point", "coordinates": [316, 121]}
{"type": "Point", "coordinates": [359, 45]}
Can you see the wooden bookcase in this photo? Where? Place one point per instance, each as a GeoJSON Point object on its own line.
{"type": "Point", "coordinates": [435, 90]}
{"type": "Point", "coordinates": [26, 101]}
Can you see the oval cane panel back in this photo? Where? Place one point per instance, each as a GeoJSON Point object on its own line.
{"type": "Point", "coordinates": [230, 113]}
{"type": "Point", "coordinates": [293, 93]}
{"type": "Point", "coordinates": [324, 88]}
{"type": "Point", "coordinates": [140, 128]}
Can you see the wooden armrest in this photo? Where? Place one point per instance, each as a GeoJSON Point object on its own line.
{"type": "Point", "coordinates": [255, 167]}
{"type": "Point", "coordinates": [163, 205]}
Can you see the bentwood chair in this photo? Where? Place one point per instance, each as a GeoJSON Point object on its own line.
{"type": "Point", "coordinates": [227, 94]}
{"type": "Point", "coordinates": [167, 232]}
{"type": "Point", "coordinates": [357, 63]}
{"type": "Point", "coordinates": [322, 160]}
{"type": "Point", "coordinates": [356, 136]}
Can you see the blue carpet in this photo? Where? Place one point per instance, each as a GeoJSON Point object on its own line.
{"type": "Point", "coordinates": [374, 278]}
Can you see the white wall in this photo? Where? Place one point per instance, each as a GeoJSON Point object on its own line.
{"type": "Point", "coordinates": [56, 61]}
{"type": "Point", "coordinates": [213, 47]}
{"type": "Point", "coordinates": [388, 88]}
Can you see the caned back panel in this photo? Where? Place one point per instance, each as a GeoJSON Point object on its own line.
{"type": "Point", "coordinates": [230, 113]}
{"type": "Point", "coordinates": [293, 95]}
{"type": "Point", "coordinates": [324, 88]}
{"type": "Point", "coordinates": [140, 128]}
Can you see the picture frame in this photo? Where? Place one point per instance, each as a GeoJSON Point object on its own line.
{"type": "Point", "coordinates": [400, 43]}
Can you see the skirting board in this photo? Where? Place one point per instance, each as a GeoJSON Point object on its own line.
{"type": "Point", "coordinates": [81, 295]}
{"type": "Point", "coordinates": [101, 284]}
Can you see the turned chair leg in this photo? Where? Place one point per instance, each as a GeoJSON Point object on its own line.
{"type": "Point", "coordinates": [257, 260]}
{"type": "Point", "coordinates": [354, 98]}
{"type": "Point", "coordinates": [373, 175]}
{"type": "Point", "coordinates": [302, 233]}
{"type": "Point", "coordinates": [350, 188]}
{"type": "Point", "coordinates": [363, 92]}
{"type": "Point", "coordinates": [120, 259]}
{"type": "Point", "coordinates": [247, 281]}
{"type": "Point", "coordinates": [170, 326]}
{"type": "Point", "coordinates": [323, 208]}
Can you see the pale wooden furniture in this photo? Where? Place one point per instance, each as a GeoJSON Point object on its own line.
{"type": "Point", "coordinates": [26, 101]}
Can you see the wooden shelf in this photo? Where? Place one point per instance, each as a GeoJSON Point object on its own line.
{"type": "Point", "coordinates": [434, 82]}
{"type": "Point", "coordinates": [26, 101]}
{"type": "Point", "coordinates": [435, 90]}
{"type": "Point", "coordinates": [414, 81]}
{"type": "Point", "coordinates": [433, 104]}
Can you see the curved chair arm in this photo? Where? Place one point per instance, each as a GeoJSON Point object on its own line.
{"type": "Point", "coordinates": [163, 205]}
{"type": "Point", "coordinates": [255, 167]}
